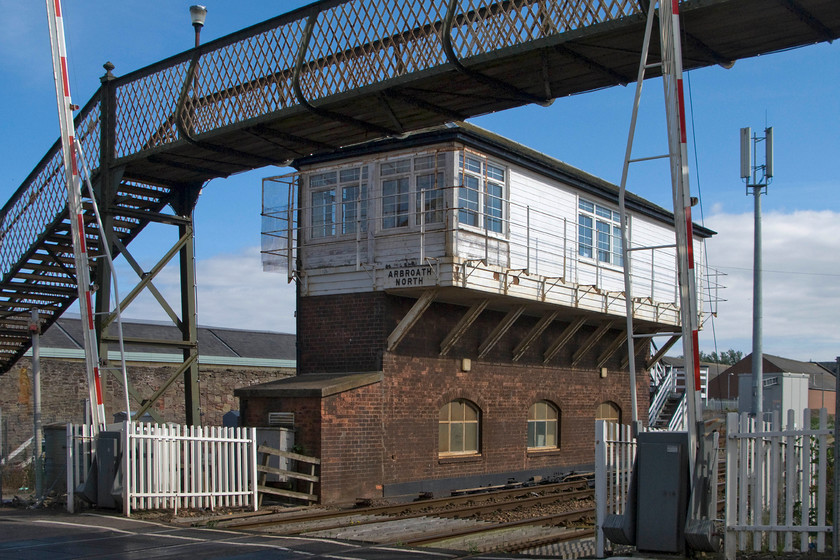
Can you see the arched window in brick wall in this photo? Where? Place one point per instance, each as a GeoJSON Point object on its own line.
{"type": "Point", "coordinates": [458, 428]}
{"type": "Point", "coordinates": [543, 426]}
{"type": "Point", "coordinates": [609, 411]}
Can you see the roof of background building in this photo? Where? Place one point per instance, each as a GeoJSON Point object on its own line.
{"type": "Point", "coordinates": [220, 346]}
{"type": "Point", "coordinates": [818, 376]}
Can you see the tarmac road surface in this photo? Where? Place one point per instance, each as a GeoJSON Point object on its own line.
{"type": "Point", "coordinates": [55, 535]}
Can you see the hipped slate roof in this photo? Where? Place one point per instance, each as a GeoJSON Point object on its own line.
{"type": "Point", "coordinates": [227, 345]}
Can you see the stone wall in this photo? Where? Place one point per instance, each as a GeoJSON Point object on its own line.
{"type": "Point", "coordinates": [64, 391]}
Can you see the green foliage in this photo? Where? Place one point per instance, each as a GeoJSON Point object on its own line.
{"type": "Point", "coordinates": [728, 357]}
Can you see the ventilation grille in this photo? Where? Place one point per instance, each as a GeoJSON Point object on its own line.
{"type": "Point", "coordinates": [281, 419]}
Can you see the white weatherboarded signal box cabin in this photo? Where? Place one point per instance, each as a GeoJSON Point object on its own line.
{"type": "Point", "coordinates": [461, 306]}
{"type": "Point", "coordinates": [453, 215]}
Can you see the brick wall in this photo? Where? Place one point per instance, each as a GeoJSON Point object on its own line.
{"type": "Point", "coordinates": [64, 390]}
{"type": "Point", "coordinates": [418, 387]}
{"type": "Point", "coordinates": [343, 333]}
{"type": "Point", "coordinates": [387, 433]}
{"type": "Point", "coordinates": [307, 411]}
{"type": "Point", "coordinates": [352, 444]}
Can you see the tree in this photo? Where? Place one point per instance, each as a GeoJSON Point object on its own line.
{"type": "Point", "coordinates": [728, 357]}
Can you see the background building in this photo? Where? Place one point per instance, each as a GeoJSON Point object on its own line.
{"type": "Point", "coordinates": [736, 383]}
{"type": "Point", "coordinates": [229, 358]}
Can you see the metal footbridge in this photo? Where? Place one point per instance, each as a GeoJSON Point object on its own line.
{"type": "Point", "coordinates": [330, 74]}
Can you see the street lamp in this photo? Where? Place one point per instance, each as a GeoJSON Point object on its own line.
{"type": "Point", "coordinates": [198, 14]}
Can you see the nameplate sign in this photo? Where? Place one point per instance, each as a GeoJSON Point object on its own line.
{"type": "Point", "coordinates": [409, 276]}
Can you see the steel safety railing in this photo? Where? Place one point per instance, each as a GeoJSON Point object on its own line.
{"type": "Point", "coordinates": [41, 201]}
{"type": "Point", "coordinates": [326, 49]}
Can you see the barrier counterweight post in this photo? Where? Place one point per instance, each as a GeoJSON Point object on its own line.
{"type": "Point", "coordinates": [74, 207]}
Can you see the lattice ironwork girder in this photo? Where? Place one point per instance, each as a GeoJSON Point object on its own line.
{"type": "Point", "coordinates": [132, 295]}
{"type": "Point", "coordinates": [591, 341]}
{"type": "Point", "coordinates": [462, 326]}
{"type": "Point", "coordinates": [563, 339]}
{"type": "Point", "coordinates": [150, 285]}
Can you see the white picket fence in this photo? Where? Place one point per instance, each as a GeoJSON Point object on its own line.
{"type": "Point", "coordinates": [776, 484]}
{"type": "Point", "coordinates": [173, 466]}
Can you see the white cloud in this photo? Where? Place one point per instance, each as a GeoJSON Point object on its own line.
{"type": "Point", "coordinates": [801, 283]}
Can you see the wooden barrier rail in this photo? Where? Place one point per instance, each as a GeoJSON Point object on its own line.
{"type": "Point", "coordinates": [265, 470]}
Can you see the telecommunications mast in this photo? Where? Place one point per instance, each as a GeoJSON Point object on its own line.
{"type": "Point", "coordinates": [757, 178]}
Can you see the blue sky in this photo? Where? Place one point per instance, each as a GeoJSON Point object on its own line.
{"type": "Point", "coordinates": [796, 92]}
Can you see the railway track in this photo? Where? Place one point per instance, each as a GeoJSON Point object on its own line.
{"type": "Point", "coordinates": [508, 520]}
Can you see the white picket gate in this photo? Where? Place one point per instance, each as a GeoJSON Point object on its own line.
{"type": "Point", "coordinates": [615, 452]}
{"type": "Point", "coordinates": [80, 455]}
{"type": "Point", "coordinates": [776, 484]}
{"type": "Point", "coordinates": [174, 466]}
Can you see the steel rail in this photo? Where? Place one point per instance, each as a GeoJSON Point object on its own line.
{"type": "Point", "coordinates": [543, 520]}
{"type": "Point", "coordinates": [282, 519]}
{"type": "Point", "coordinates": [461, 512]}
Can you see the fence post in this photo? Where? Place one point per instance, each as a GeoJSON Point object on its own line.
{"type": "Point", "coordinates": [127, 463]}
{"type": "Point", "coordinates": [791, 482]}
{"type": "Point", "coordinates": [730, 545]}
{"type": "Point", "coordinates": [600, 486]}
{"type": "Point", "coordinates": [775, 477]}
{"type": "Point", "coordinates": [805, 488]}
{"type": "Point", "coordinates": [69, 475]}
{"type": "Point", "coordinates": [253, 469]}
{"type": "Point", "coordinates": [822, 438]}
